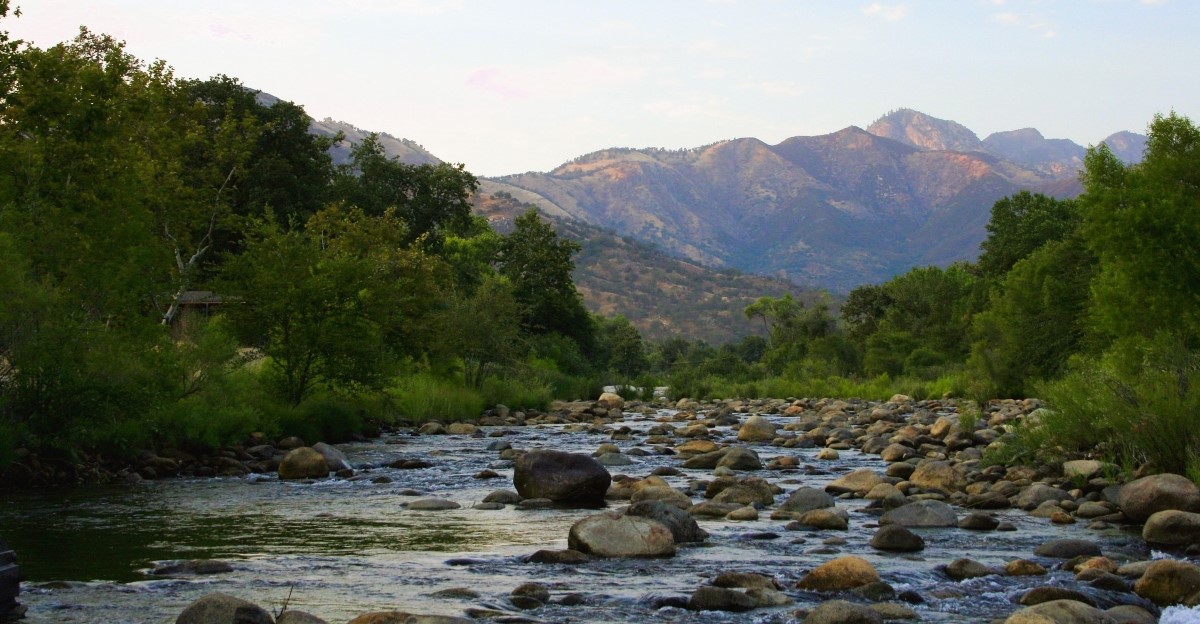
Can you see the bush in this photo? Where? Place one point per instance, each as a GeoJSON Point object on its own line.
{"type": "Point", "coordinates": [527, 393]}
{"type": "Point", "coordinates": [422, 396]}
{"type": "Point", "coordinates": [1137, 404]}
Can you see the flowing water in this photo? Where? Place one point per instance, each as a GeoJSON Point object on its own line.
{"type": "Point", "coordinates": [339, 548]}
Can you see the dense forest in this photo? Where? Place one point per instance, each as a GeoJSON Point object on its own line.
{"type": "Point", "coordinates": [183, 264]}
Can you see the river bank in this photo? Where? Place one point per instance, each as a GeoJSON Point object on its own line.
{"type": "Point", "coordinates": [344, 546]}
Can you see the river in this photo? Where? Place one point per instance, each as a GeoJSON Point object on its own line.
{"type": "Point", "coordinates": [339, 548]}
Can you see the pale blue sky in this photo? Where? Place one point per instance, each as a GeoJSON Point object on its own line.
{"type": "Point", "coordinates": [507, 87]}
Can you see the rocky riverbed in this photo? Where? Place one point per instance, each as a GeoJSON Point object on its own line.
{"type": "Point", "coordinates": [747, 511]}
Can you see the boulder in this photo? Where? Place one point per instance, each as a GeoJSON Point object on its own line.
{"type": "Point", "coordinates": [1168, 582]}
{"type": "Point", "coordinates": [747, 492]}
{"type": "Point", "coordinates": [1050, 593]}
{"type": "Point", "coordinates": [1060, 612]}
{"type": "Point", "coordinates": [939, 475]}
{"type": "Point", "coordinates": [1172, 528]}
{"type": "Point", "coordinates": [708, 598]}
{"type": "Point", "coordinates": [1067, 549]}
{"type": "Point", "coordinates": [858, 482]}
{"type": "Point", "coordinates": [335, 459]}
{"type": "Point", "coordinates": [963, 569]}
{"type": "Point", "coordinates": [298, 617]}
{"type": "Point", "coordinates": [615, 535]}
{"type": "Point", "coordinates": [896, 538]}
{"type": "Point", "coordinates": [569, 478]}
{"type": "Point", "coordinates": [922, 513]}
{"type": "Point", "coordinates": [756, 429]}
{"type": "Point", "coordinates": [1139, 499]}
{"type": "Point", "coordinates": [830, 518]}
{"type": "Point", "coordinates": [610, 401]}
{"type": "Point", "coordinates": [740, 458]}
{"type": "Point", "coordinates": [303, 463]}
{"type": "Point", "coordinates": [1039, 493]}
{"type": "Point", "coordinates": [1023, 567]}
{"type": "Point", "coordinates": [800, 501]}
{"type": "Point", "coordinates": [461, 428]}
{"type": "Point", "coordinates": [842, 612]}
{"type": "Point", "coordinates": [220, 608]}
{"type": "Point", "coordinates": [682, 525]}
{"type": "Point", "coordinates": [745, 580]}
{"type": "Point", "coordinates": [839, 574]}
{"type": "Point", "coordinates": [1086, 469]}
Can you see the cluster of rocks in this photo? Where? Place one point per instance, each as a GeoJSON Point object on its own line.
{"type": "Point", "coordinates": [932, 476]}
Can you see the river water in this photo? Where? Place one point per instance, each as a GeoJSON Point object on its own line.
{"type": "Point", "coordinates": [339, 548]}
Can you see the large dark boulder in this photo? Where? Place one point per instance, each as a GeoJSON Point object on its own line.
{"type": "Point", "coordinates": [568, 478]}
{"type": "Point", "coordinates": [10, 582]}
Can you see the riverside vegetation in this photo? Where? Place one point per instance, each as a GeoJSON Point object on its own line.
{"type": "Point", "coordinates": [362, 293]}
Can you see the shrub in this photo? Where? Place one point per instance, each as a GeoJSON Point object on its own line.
{"type": "Point", "coordinates": [1137, 404]}
{"type": "Point", "coordinates": [422, 396]}
{"type": "Point", "coordinates": [525, 393]}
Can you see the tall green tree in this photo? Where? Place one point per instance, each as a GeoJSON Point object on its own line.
{"type": "Point", "coordinates": [539, 265]}
{"type": "Point", "coordinates": [338, 303]}
{"type": "Point", "coordinates": [1142, 223]}
{"type": "Point", "coordinates": [433, 200]}
{"type": "Point", "coordinates": [1020, 224]}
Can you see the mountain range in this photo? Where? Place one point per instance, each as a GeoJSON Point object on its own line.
{"type": "Point", "coordinates": [834, 211]}
{"type": "Point", "coordinates": [741, 218]}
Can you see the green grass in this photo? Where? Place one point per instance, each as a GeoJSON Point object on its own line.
{"type": "Point", "coordinates": [423, 396]}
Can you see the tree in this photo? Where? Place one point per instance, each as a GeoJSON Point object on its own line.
{"type": "Point", "coordinates": [1019, 225]}
{"type": "Point", "coordinates": [1142, 223]}
{"type": "Point", "coordinates": [486, 329]}
{"type": "Point", "coordinates": [337, 303]}
{"type": "Point", "coordinates": [620, 347]}
{"type": "Point", "coordinates": [539, 266]}
{"type": "Point", "coordinates": [433, 200]}
{"type": "Point", "coordinates": [864, 309]}
{"type": "Point", "coordinates": [1036, 321]}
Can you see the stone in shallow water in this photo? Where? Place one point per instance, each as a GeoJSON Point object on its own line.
{"type": "Point", "coordinates": [218, 608]}
{"type": "Point", "coordinates": [839, 574]}
{"type": "Point", "coordinates": [615, 535]}
{"type": "Point", "coordinates": [720, 599]}
{"type": "Point", "coordinates": [1067, 548]}
{"type": "Point", "coordinates": [433, 504]}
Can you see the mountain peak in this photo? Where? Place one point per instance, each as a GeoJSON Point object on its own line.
{"type": "Point", "coordinates": [925, 132]}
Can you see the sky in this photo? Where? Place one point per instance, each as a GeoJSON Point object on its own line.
{"type": "Point", "coordinates": [506, 86]}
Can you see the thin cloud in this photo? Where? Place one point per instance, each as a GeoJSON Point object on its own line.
{"type": "Point", "coordinates": [569, 77]}
{"type": "Point", "coordinates": [774, 87]}
{"type": "Point", "coordinates": [1035, 24]}
{"type": "Point", "coordinates": [886, 12]}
